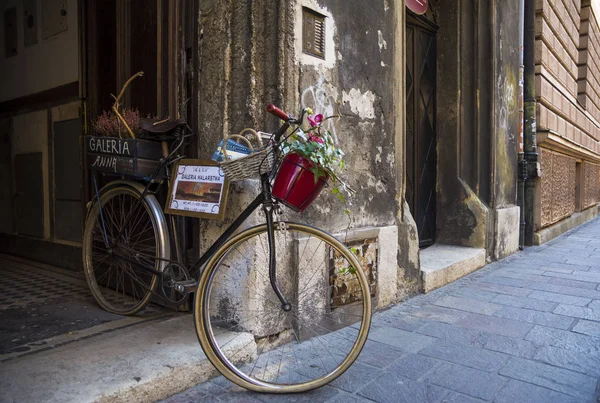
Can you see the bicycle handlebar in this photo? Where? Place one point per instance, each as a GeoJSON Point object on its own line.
{"type": "Point", "coordinates": [278, 112]}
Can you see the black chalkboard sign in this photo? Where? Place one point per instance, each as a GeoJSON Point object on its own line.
{"type": "Point", "coordinates": [129, 157]}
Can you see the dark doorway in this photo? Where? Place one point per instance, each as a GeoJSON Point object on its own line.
{"type": "Point", "coordinates": [122, 39]}
{"type": "Point", "coordinates": [421, 125]}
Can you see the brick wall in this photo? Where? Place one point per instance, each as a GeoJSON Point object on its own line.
{"type": "Point", "coordinates": [568, 92]}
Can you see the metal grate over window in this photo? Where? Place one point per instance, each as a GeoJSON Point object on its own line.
{"type": "Point", "coordinates": [313, 33]}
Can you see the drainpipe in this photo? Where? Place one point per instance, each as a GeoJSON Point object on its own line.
{"type": "Point", "coordinates": [522, 163]}
{"type": "Point", "coordinates": [529, 146]}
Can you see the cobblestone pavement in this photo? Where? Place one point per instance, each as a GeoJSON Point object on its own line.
{"type": "Point", "coordinates": [525, 329]}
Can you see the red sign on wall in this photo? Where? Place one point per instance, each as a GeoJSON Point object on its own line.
{"type": "Point", "coordinates": [417, 6]}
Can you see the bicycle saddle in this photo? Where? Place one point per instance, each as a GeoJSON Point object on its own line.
{"type": "Point", "coordinates": [157, 126]}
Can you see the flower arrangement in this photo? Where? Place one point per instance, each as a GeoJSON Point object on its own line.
{"type": "Point", "coordinates": [317, 145]}
{"type": "Point", "coordinates": [108, 124]}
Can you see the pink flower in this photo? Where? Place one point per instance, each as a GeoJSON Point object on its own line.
{"type": "Point", "coordinates": [316, 139]}
{"type": "Point", "coordinates": [316, 120]}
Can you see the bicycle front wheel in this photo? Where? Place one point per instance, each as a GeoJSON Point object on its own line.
{"type": "Point", "coordinates": [248, 335]}
{"type": "Point", "coordinates": [120, 244]}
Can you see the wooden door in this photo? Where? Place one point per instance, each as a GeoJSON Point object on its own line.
{"type": "Point", "coordinates": [420, 126]}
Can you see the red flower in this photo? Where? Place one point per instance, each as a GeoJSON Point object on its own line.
{"type": "Point", "coordinates": [316, 120]}
{"type": "Point", "coordinates": [316, 139]}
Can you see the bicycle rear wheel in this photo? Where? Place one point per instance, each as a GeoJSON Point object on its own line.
{"type": "Point", "coordinates": [115, 273]}
{"type": "Point", "coordinates": [252, 340]}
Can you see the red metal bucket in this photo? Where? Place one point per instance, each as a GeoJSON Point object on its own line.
{"type": "Point", "coordinates": [295, 184]}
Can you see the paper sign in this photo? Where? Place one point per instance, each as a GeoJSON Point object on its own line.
{"type": "Point", "coordinates": [198, 189]}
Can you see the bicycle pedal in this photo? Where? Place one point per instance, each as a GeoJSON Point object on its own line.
{"type": "Point", "coordinates": [186, 286]}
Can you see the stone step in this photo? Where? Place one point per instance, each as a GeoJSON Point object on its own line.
{"type": "Point", "coordinates": [443, 264]}
{"type": "Point", "coordinates": [140, 363]}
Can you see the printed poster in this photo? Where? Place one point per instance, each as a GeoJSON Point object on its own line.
{"type": "Point", "coordinates": [198, 189]}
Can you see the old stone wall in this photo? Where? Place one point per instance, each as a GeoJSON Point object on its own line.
{"type": "Point", "coordinates": [477, 125]}
{"type": "Point", "coordinates": [568, 114]}
{"type": "Point", "coordinates": [251, 56]}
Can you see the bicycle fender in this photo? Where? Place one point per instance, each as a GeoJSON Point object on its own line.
{"type": "Point", "coordinates": [162, 230]}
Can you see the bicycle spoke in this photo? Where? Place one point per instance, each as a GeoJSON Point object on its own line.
{"type": "Point", "coordinates": [142, 232]}
{"type": "Point", "coordinates": [100, 280]}
{"type": "Point", "coordinates": [137, 218]}
{"type": "Point", "coordinates": [112, 219]}
{"type": "Point", "coordinates": [122, 216]}
{"type": "Point", "coordinates": [123, 285]}
{"type": "Point", "coordinates": [318, 337]}
{"type": "Point", "coordinates": [276, 303]}
{"type": "Point", "coordinates": [133, 275]}
{"type": "Point", "coordinates": [340, 313]}
{"type": "Point", "coordinates": [327, 330]}
{"type": "Point", "coordinates": [229, 328]}
{"type": "Point", "coordinates": [258, 271]}
{"type": "Point", "coordinates": [314, 272]}
{"type": "Point", "coordinates": [290, 344]}
{"type": "Point", "coordinates": [280, 362]}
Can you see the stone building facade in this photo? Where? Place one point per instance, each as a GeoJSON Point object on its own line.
{"type": "Point", "coordinates": [429, 121]}
{"type": "Point", "coordinates": [568, 115]}
{"type": "Point", "coordinates": [429, 109]}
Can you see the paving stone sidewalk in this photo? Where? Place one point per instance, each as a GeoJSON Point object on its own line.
{"type": "Point", "coordinates": [524, 329]}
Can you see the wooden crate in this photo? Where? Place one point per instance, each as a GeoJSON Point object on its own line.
{"type": "Point", "coordinates": [124, 157]}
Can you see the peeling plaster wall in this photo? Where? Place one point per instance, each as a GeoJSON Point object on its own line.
{"type": "Point", "coordinates": [353, 81]}
{"type": "Point", "coordinates": [250, 56]}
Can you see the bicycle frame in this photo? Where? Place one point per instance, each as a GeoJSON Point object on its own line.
{"type": "Point", "coordinates": [264, 198]}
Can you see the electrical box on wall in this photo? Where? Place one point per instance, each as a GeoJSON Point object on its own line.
{"type": "Point", "coordinates": [30, 22]}
{"type": "Point", "coordinates": [10, 32]}
{"type": "Point", "coordinates": [313, 33]}
{"type": "Point", "coordinates": [54, 17]}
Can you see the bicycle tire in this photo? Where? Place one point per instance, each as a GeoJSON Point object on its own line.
{"type": "Point", "coordinates": [117, 283]}
{"type": "Point", "coordinates": [220, 335]}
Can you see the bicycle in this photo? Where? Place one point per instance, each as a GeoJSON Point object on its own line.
{"type": "Point", "coordinates": [265, 309]}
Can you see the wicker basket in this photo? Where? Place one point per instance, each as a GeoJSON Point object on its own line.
{"type": "Point", "coordinates": [255, 164]}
